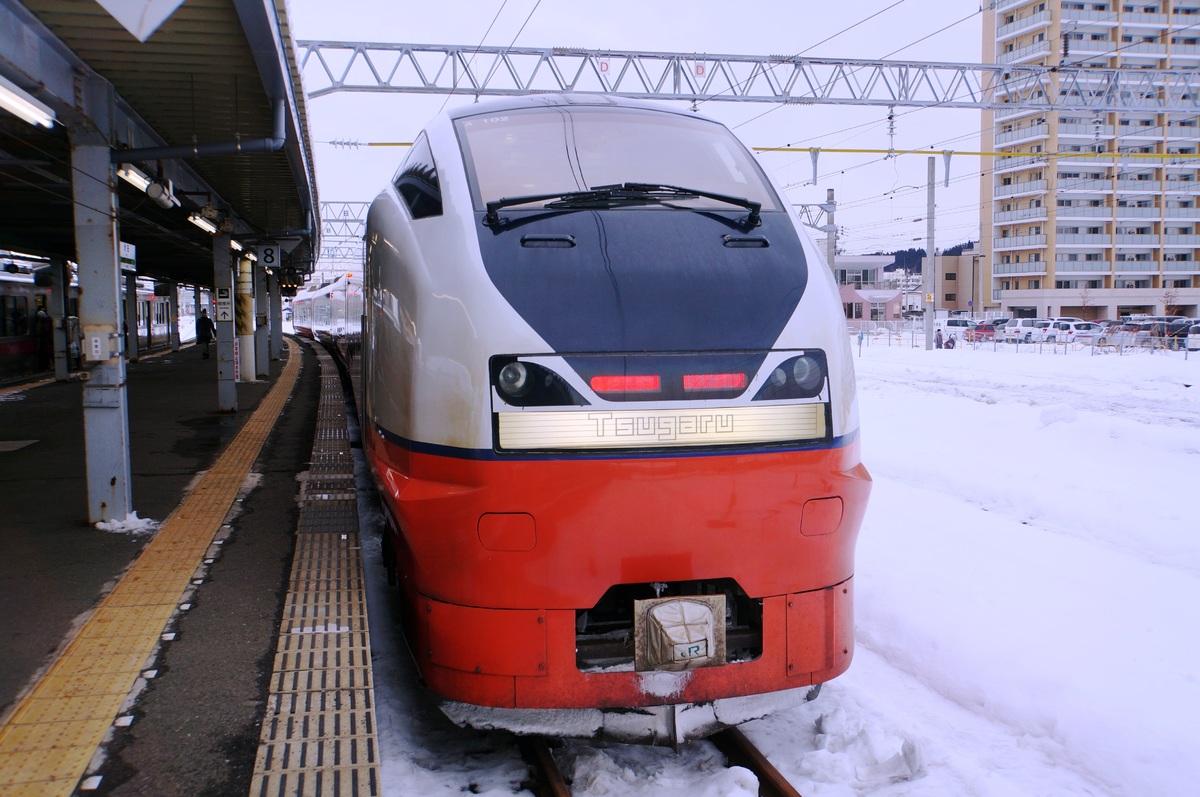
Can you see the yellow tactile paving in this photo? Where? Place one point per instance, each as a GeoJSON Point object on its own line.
{"type": "Point", "coordinates": [52, 734]}
{"type": "Point", "coordinates": [318, 734]}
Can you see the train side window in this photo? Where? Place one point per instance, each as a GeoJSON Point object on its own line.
{"type": "Point", "coordinates": [417, 181]}
{"type": "Point", "coordinates": [14, 316]}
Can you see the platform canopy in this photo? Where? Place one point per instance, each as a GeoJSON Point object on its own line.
{"type": "Point", "coordinates": [209, 104]}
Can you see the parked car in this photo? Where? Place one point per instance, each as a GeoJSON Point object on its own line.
{"type": "Point", "coordinates": [1020, 330]}
{"type": "Point", "coordinates": [1193, 338]}
{"type": "Point", "coordinates": [1048, 331]}
{"type": "Point", "coordinates": [1070, 331]}
{"type": "Point", "coordinates": [998, 323]}
{"type": "Point", "coordinates": [980, 332]}
{"type": "Point", "coordinates": [1129, 334]}
{"type": "Point", "coordinates": [1179, 330]}
{"type": "Point", "coordinates": [954, 324]}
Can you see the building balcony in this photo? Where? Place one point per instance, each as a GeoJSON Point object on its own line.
{"type": "Point", "coordinates": [1137, 240]}
{"type": "Point", "coordinates": [1183, 213]}
{"type": "Point", "coordinates": [1139, 186]}
{"type": "Point", "coordinates": [1143, 50]}
{"type": "Point", "coordinates": [1016, 113]}
{"type": "Point", "coordinates": [1136, 266]}
{"type": "Point", "coordinates": [1092, 47]}
{"type": "Point", "coordinates": [1098, 18]}
{"type": "Point", "coordinates": [1033, 52]}
{"type": "Point", "coordinates": [1181, 240]}
{"type": "Point", "coordinates": [1037, 267]}
{"type": "Point", "coordinates": [1138, 213]}
{"type": "Point", "coordinates": [1022, 134]}
{"type": "Point", "coordinates": [1074, 185]}
{"type": "Point", "coordinates": [1082, 266]}
{"type": "Point", "coordinates": [1023, 25]}
{"type": "Point", "coordinates": [1016, 163]}
{"type": "Point", "coordinates": [1140, 19]}
{"type": "Point", "coordinates": [1004, 5]}
{"type": "Point", "coordinates": [1086, 131]}
{"type": "Point", "coordinates": [1184, 52]}
{"type": "Point", "coordinates": [1020, 189]}
{"type": "Point", "coordinates": [1075, 239]}
{"type": "Point", "coordinates": [1133, 132]}
{"type": "Point", "coordinates": [1084, 212]}
{"type": "Point", "coordinates": [1184, 266]}
{"type": "Point", "coordinates": [1186, 132]}
{"type": "Point", "coordinates": [1025, 214]}
{"type": "Point", "coordinates": [1019, 242]}
{"type": "Point", "coordinates": [1078, 159]}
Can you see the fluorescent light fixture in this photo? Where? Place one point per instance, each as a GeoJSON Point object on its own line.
{"type": "Point", "coordinates": [21, 103]}
{"type": "Point", "coordinates": [133, 176]}
{"type": "Point", "coordinates": [203, 223]}
{"type": "Point", "coordinates": [253, 258]}
{"type": "Point", "coordinates": [163, 193]}
{"type": "Point", "coordinates": [235, 245]}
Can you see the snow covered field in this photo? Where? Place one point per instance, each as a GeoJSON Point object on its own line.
{"type": "Point", "coordinates": [1028, 602]}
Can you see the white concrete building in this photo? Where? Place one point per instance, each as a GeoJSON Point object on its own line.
{"type": "Point", "coordinates": [1091, 214]}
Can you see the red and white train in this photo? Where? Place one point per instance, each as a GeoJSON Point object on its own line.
{"type": "Point", "coordinates": [608, 398]}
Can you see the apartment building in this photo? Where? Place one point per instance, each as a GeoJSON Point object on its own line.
{"type": "Point", "coordinates": [1091, 214]}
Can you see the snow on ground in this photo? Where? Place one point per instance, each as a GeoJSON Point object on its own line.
{"type": "Point", "coordinates": [1028, 580]}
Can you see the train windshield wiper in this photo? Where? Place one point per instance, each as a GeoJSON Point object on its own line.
{"type": "Point", "coordinates": [611, 196]}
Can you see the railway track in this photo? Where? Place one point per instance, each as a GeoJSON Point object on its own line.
{"type": "Point", "coordinates": [548, 780]}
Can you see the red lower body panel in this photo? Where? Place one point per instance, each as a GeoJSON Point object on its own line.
{"type": "Point", "coordinates": [495, 559]}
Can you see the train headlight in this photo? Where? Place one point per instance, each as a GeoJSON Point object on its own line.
{"type": "Point", "coordinates": [807, 373]}
{"type": "Point", "coordinates": [802, 376]}
{"type": "Point", "coordinates": [514, 379]}
{"type": "Point", "coordinates": [529, 384]}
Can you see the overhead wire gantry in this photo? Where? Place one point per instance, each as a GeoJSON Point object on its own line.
{"type": "Point", "coordinates": [331, 66]}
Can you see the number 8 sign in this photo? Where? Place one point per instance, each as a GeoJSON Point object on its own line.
{"type": "Point", "coordinates": [268, 254]}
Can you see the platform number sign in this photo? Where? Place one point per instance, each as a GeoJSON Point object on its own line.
{"type": "Point", "coordinates": [268, 255]}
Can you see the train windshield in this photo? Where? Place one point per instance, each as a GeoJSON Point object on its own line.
{"type": "Point", "coordinates": [548, 151]}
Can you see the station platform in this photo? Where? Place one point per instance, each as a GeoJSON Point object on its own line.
{"type": "Point", "coordinates": [225, 653]}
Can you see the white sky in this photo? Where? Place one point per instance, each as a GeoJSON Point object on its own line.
{"type": "Point", "coordinates": [870, 220]}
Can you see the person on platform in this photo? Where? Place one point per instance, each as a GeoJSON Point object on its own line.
{"type": "Point", "coordinates": [206, 332]}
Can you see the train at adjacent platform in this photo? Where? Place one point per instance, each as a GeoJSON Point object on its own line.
{"type": "Point", "coordinates": [26, 337]}
{"type": "Point", "coordinates": [608, 398]}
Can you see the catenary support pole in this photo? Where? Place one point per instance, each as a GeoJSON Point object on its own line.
{"type": "Point", "coordinates": [928, 280]}
{"type": "Point", "coordinates": [130, 325]}
{"type": "Point", "coordinates": [173, 316]}
{"type": "Point", "coordinates": [262, 331]}
{"type": "Point", "coordinates": [58, 314]}
{"type": "Point", "coordinates": [226, 354]}
{"type": "Point", "coordinates": [105, 396]}
{"type": "Point", "coordinates": [276, 317]}
{"type": "Point", "coordinates": [245, 320]}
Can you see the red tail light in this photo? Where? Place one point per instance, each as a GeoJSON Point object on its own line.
{"type": "Point", "coordinates": [714, 381]}
{"type": "Point", "coordinates": [626, 384]}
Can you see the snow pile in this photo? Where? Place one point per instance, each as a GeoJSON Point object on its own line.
{"type": "Point", "coordinates": [132, 525]}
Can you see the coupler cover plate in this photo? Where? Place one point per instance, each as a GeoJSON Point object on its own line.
{"type": "Point", "coordinates": [679, 633]}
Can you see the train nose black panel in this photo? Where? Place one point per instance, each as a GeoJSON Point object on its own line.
{"type": "Point", "coordinates": [647, 279]}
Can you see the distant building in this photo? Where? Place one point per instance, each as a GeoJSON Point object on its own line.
{"type": "Point", "coordinates": [867, 291]}
{"type": "Point", "coordinates": [959, 285]}
{"type": "Point", "coordinates": [1091, 214]}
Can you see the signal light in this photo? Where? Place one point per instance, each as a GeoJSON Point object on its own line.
{"type": "Point", "coordinates": [697, 382]}
{"type": "Point", "coordinates": [626, 384]}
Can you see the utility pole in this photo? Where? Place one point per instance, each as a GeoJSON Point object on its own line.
{"type": "Point", "coordinates": [830, 230]}
{"type": "Point", "coordinates": [927, 281]}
